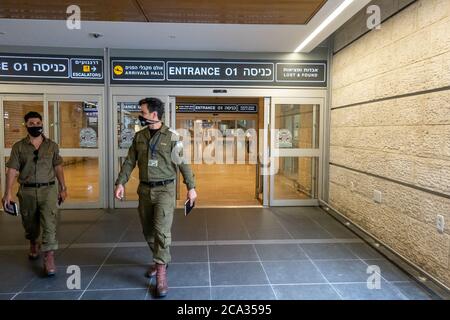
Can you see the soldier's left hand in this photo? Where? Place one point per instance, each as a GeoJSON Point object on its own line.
{"type": "Point", "coordinates": [192, 195]}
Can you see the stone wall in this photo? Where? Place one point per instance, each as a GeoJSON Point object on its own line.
{"type": "Point", "coordinates": [390, 131]}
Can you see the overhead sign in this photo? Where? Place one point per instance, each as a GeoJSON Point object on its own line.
{"type": "Point", "coordinates": [71, 69]}
{"type": "Point", "coordinates": [137, 70]}
{"type": "Point", "coordinates": [219, 71]}
{"type": "Point", "coordinates": [214, 72]}
{"type": "Point", "coordinates": [129, 106]}
{"type": "Point", "coordinates": [217, 108]}
{"type": "Point", "coordinates": [86, 68]}
{"type": "Point", "coordinates": [301, 72]}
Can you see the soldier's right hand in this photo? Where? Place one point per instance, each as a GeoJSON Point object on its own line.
{"type": "Point", "coordinates": [118, 192]}
{"type": "Point", "coordinates": [6, 199]}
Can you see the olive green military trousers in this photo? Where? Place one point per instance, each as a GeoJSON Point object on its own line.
{"type": "Point", "coordinates": [156, 207]}
{"type": "Point", "coordinates": [38, 208]}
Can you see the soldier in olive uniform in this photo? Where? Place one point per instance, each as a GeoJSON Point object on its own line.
{"type": "Point", "coordinates": [152, 149]}
{"type": "Point", "coordinates": [36, 160]}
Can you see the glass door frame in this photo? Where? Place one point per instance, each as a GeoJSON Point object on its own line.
{"type": "Point", "coordinates": [316, 153]}
{"type": "Point", "coordinates": [6, 152]}
{"type": "Point", "coordinates": [121, 153]}
{"type": "Point", "coordinates": [204, 91]}
{"type": "Point", "coordinates": [82, 152]}
{"type": "Point", "coordinates": [97, 153]}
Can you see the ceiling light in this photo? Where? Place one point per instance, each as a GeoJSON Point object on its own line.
{"type": "Point", "coordinates": [324, 24]}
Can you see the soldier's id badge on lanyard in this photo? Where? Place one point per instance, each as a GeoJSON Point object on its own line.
{"type": "Point", "coordinates": [152, 162]}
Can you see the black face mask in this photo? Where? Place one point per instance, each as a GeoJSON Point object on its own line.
{"type": "Point", "coordinates": [35, 131]}
{"type": "Point", "coordinates": [146, 122]}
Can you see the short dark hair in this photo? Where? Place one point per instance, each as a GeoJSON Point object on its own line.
{"type": "Point", "coordinates": [153, 104]}
{"type": "Point", "coordinates": [32, 114]}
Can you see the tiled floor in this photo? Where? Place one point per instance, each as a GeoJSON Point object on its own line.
{"type": "Point", "coordinates": [277, 253]}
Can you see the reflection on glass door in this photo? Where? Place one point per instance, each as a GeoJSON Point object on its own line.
{"type": "Point", "coordinates": [74, 122]}
{"type": "Point", "coordinates": [295, 151]}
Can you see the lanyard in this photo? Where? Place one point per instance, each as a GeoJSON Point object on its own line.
{"type": "Point", "coordinates": [154, 145]}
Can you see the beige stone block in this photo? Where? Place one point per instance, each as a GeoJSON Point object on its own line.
{"type": "Point", "coordinates": [422, 45]}
{"type": "Point", "coordinates": [396, 166]}
{"type": "Point", "coordinates": [417, 204]}
{"type": "Point", "coordinates": [422, 141]}
{"type": "Point", "coordinates": [436, 142]}
{"type": "Point", "coordinates": [424, 75]}
{"type": "Point", "coordinates": [435, 107]}
{"type": "Point", "coordinates": [427, 109]}
{"type": "Point", "coordinates": [405, 23]}
{"type": "Point", "coordinates": [433, 174]}
{"type": "Point", "coordinates": [410, 238]}
{"type": "Point", "coordinates": [431, 11]}
{"type": "Point", "coordinates": [393, 112]}
{"type": "Point", "coordinates": [426, 241]}
{"type": "Point", "coordinates": [346, 117]}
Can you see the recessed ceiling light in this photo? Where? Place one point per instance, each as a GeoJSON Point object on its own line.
{"type": "Point", "coordinates": [324, 24]}
{"type": "Point", "coordinates": [95, 35]}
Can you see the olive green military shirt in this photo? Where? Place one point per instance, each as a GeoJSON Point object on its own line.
{"type": "Point", "coordinates": [41, 171]}
{"type": "Point", "coordinates": [164, 141]}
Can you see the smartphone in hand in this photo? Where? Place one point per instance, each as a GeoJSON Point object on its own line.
{"type": "Point", "coordinates": [188, 207]}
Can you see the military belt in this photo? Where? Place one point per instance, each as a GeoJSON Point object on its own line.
{"type": "Point", "coordinates": [38, 185]}
{"type": "Point", "coordinates": [153, 184]}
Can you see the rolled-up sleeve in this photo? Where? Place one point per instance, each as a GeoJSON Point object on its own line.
{"type": "Point", "coordinates": [57, 159]}
{"type": "Point", "coordinates": [14, 161]}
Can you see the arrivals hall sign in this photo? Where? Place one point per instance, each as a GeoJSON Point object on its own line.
{"type": "Point", "coordinates": [218, 72]}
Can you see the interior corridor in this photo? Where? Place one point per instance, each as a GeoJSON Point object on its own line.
{"type": "Point", "coordinates": [251, 253]}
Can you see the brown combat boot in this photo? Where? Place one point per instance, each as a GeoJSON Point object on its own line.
{"type": "Point", "coordinates": [161, 280]}
{"type": "Point", "coordinates": [49, 263]}
{"type": "Point", "coordinates": [34, 250]}
{"type": "Point", "coordinates": [151, 272]}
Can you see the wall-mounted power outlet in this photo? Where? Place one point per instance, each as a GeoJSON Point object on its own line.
{"type": "Point", "coordinates": [377, 196]}
{"type": "Point", "coordinates": [440, 223]}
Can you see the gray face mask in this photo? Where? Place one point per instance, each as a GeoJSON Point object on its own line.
{"type": "Point", "coordinates": [145, 122]}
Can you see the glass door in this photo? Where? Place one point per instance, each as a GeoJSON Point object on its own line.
{"type": "Point", "coordinates": [75, 123]}
{"type": "Point", "coordinates": [295, 142]}
{"type": "Point", "coordinates": [222, 158]}
{"type": "Point", "coordinates": [125, 125]}
{"type": "Point", "coordinates": [13, 109]}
